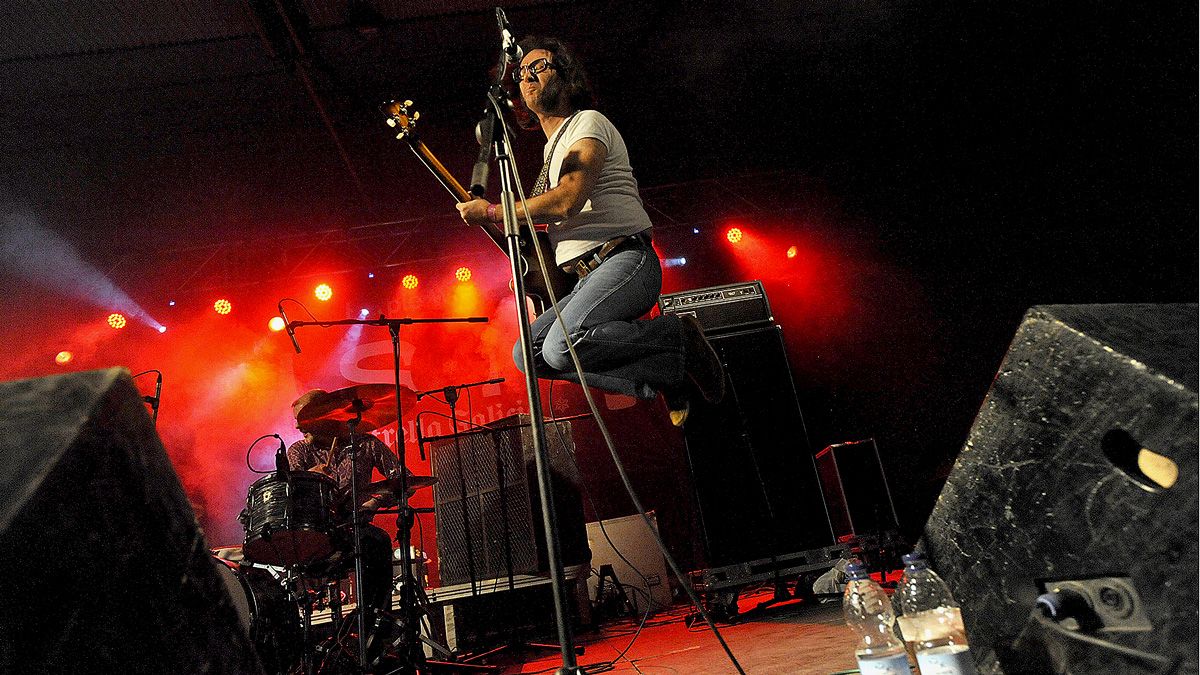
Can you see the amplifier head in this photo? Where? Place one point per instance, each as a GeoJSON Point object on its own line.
{"type": "Point", "coordinates": [721, 308]}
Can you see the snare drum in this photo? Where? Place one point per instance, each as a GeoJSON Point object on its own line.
{"type": "Point", "coordinates": [289, 519]}
{"type": "Point", "coordinates": [267, 617]}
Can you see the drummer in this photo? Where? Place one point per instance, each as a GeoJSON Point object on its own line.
{"type": "Point", "coordinates": [324, 451]}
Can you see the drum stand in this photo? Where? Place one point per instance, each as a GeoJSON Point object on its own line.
{"type": "Point", "coordinates": [409, 588]}
{"type": "Point", "coordinates": [360, 586]}
{"type": "Point", "coordinates": [301, 596]}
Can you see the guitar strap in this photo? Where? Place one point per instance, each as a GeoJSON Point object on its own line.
{"type": "Point", "coordinates": [543, 179]}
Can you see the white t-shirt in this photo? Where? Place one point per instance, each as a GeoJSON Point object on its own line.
{"type": "Point", "coordinates": [614, 208]}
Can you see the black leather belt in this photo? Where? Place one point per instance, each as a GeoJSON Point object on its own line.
{"type": "Point", "coordinates": [588, 262]}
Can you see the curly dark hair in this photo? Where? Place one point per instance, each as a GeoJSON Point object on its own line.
{"type": "Point", "coordinates": [570, 90]}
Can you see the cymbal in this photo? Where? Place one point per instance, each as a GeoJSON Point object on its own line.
{"type": "Point", "coordinates": [331, 412]}
{"type": "Point", "coordinates": [389, 485]}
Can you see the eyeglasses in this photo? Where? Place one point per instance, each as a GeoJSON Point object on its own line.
{"type": "Point", "coordinates": [534, 67]}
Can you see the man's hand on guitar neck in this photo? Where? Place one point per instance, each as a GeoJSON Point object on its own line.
{"type": "Point", "coordinates": [475, 212]}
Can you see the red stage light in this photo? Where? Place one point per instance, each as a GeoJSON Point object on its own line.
{"type": "Point", "coordinates": [409, 281]}
{"type": "Point", "coordinates": [116, 320]}
{"type": "Point", "coordinates": [791, 252]}
{"type": "Point", "coordinates": [223, 306]}
{"type": "Point", "coordinates": [323, 292]}
{"type": "Point", "coordinates": [734, 235]}
{"type": "Point", "coordinates": [63, 358]}
{"type": "Point", "coordinates": [463, 274]}
{"type": "Point", "coordinates": [276, 324]}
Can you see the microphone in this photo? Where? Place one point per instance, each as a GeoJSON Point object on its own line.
{"type": "Point", "coordinates": [156, 398]}
{"type": "Point", "coordinates": [447, 389]}
{"type": "Point", "coordinates": [281, 461]}
{"type": "Point", "coordinates": [288, 325]}
{"type": "Point", "coordinates": [512, 51]}
{"type": "Point", "coordinates": [157, 394]}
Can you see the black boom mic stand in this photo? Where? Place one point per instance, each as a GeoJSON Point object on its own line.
{"type": "Point", "coordinates": [495, 123]}
{"type": "Point", "coordinates": [408, 603]}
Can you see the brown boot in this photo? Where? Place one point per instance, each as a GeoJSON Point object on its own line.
{"type": "Point", "coordinates": [700, 361]}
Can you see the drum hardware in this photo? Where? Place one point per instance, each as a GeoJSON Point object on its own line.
{"type": "Point", "coordinates": [359, 577]}
{"type": "Point", "coordinates": [391, 485]}
{"type": "Point", "coordinates": [267, 616]}
{"type": "Point", "coordinates": [348, 407]}
{"type": "Point", "coordinates": [372, 406]}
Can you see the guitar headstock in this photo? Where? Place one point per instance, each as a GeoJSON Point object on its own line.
{"type": "Point", "coordinates": [399, 117]}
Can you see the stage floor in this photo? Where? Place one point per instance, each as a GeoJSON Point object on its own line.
{"type": "Point", "coordinates": [785, 638]}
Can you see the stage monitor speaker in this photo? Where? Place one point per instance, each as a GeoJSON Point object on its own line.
{"type": "Point", "coordinates": [106, 569]}
{"type": "Point", "coordinates": [752, 469]}
{"type": "Point", "coordinates": [486, 505]}
{"type": "Point", "coordinates": [1078, 479]}
{"type": "Point", "coordinates": [856, 489]}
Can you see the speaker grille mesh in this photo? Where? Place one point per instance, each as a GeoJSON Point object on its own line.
{"type": "Point", "coordinates": [491, 473]}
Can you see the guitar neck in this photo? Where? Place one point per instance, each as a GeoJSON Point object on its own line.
{"type": "Point", "coordinates": [443, 174]}
{"type": "Point", "coordinates": [492, 230]}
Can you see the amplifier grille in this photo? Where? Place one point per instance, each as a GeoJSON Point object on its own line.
{"type": "Point", "coordinates": [492, 473]}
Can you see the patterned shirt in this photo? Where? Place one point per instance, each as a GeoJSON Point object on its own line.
{"type": "Point", "coordinates": [372, 454]}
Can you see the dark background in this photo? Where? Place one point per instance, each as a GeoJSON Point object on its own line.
{"type": "Point", "coordinates": [946, 164]}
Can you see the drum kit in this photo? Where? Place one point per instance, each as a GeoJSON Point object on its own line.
{"type": "Point", "coordinates": [298, 549]}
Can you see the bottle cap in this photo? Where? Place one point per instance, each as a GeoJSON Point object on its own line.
{"type": "Point", "coordinates": [856, 570]}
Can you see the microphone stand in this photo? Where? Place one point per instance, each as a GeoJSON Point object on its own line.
{"type": "Point", "coordinates": [411, 621]}
{"type": "Point", "coordinates": [359, 577]}
{"type": "Point", "coordinates": [451, 394]}
{"type": "Point", "coordinates": [494, 121]}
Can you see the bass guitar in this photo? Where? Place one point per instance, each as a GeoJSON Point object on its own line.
{"type": "Point", "coordinates": [537, 286]}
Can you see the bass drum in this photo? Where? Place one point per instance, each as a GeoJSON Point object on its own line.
{"type": "Point", "coordinates": [267, 617]}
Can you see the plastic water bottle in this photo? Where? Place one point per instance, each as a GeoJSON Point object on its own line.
{"type": "Point", "coordinates": [931, 621]}
{"type": "Point", "coordinates": [869, 612]}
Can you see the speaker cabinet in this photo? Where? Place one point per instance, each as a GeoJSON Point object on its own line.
{"type": "Point", "coordinates": [106, 567]}
{"type": "Point", "coordinates": [856, 489]}
{"type": "Point", "coordinates": [753, 472]}
{"type": "Point", "coordinates": [1063, 482]}
{"type": "Point", "coordinates": [628, 545]}
{"type": "Point", "coordinates": [486, 505]}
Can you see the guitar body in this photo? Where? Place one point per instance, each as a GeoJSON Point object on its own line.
{"type": "Point", "coordinates": [537, 287]}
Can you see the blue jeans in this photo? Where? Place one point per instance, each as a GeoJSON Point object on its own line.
{"type": "Point", "coordinates": [619, 351]}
